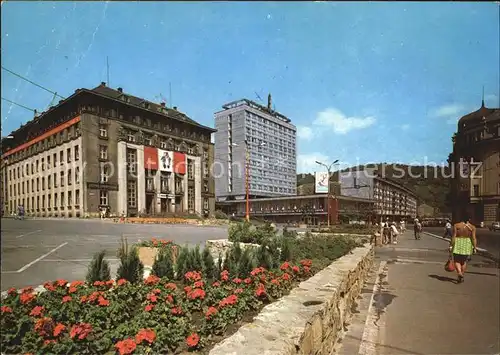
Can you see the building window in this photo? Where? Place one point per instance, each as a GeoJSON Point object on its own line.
{"type": "Point", "coordinates": [475, 191]}
{"type": "Point", "coordinates": [69, 177]}
{"type": "Point", "coordinates": [131, 160]}
{"type": "Point", "coordinates": [68, 155]}
{"type": "Point", "coordinates": [55, 200]}
{"type": "Point", "coordinates": [37, 166]}
{"type": "Point", "coordinates": [48, 161]}
{"type": "Point", "coordinates": [54, 156]}
{"type": "Point", "coordinates": [131, 137]}
{"type": "Point", "coordinates": [103, 194]}
{"type": "Point", "coordinates": [163, 144]}
{"type": "Point", "coordinates": [43, 164]}
{"type": "Point", "coordinates": [148, 140]}
{"type": "Point", "coordinates": [77, 152]}
{"type": "Point", "coordinates": [164, 185]}
{"type": "Point", "coordinates": [49, 182]}
{"type": "Point", "coordinates": [61, 157]}
{"type": "Point", "coordinates": [103, 152]}
{"type": "Point", "coordinates": [77, 175]}
{"type": "Point", "coordinates": [62, 178]}
{"type": "Point", "coordinates": [77, 197]}
{"type": "Point", "coordinates": [131, 194]}
{"type": "Point", "coordinates": [191, 198]}
{"type": "Point", "coordinates": [37, 184]}
{"type": "Point", "coordinates": [70, 198]}
{"type": "Point", "coordinates": [103, 131]}
{"type": "Point", "coordinates": [104, 173]}
{"type": "Point", "coordinates": [205, 204]}
{"type": "Point", "coordinates": [62, 200]}
{"type": "Point", "coordinates": [43, 184]}
{"type": "Point", "coordinates": [49, 201]}
{"type": "Point", "coordinates": [190, 169]}
{"type": "Point", "coordinates": [43, 201]}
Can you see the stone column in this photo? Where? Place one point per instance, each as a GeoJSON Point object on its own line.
{"type": "Point", "coordinates": [122, 178]}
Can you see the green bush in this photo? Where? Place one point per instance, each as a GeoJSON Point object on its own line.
{"type": "Point", "coordinates": [131, 267]}
{"type": "Point", "coordinates": [245, 232]}
{"type": "Point", "coordinates": [196, 261]}
{"type": "Point", "coordinates": [183, 262]}
{"type": "Point", "coordinates": [98, 269]}
{"type": "Point", "coordinates": [163, 266]}
{"type": "Point", "coordinates": [209, 268]}
{"type": "Point", "coordinates": [220, 215]}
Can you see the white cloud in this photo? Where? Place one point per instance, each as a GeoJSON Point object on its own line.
{"type": "Point", "coordinates": [304, 133]}
{"type": "Point", "coordinates": [306, 163]}
{"type": "Point", "coordinates": [405, 127]}
{"type": "Point", "coordinates": [448, 111]}
{"type": "Point", "coordinates": [340, 123]}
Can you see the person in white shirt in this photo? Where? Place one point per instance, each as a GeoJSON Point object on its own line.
{"type": "Point", "coordinates": [394, 233]}
{"type": "Point", "coordinates": [402, 226]}
{"type": "Point", "coordinates": [448, 229]}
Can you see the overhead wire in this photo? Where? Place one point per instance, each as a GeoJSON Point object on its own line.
{"type": "Point", "coordinates": [32, 82]}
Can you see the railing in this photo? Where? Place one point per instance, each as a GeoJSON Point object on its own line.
{"type": "Point", "coordinates": [179, 190]}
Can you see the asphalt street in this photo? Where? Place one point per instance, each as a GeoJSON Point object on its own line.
{"type": "Point", "coordinates": [35, 251]}
{"type": "Point", "coordinates": [486, 239]}
{"type": "Point", "coordinates": [411, 305]}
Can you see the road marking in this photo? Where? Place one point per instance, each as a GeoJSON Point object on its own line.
{"type": "Point", "coordinates": [26, 234]}
{"type": "Point", "coordinates": [417, 261]}
{"type": "Point", "coordinates": [370, 338]}
{"type": "Point", "coordinates": [437, 236]}
{"type": "Point", "coordinates": [41, 257]}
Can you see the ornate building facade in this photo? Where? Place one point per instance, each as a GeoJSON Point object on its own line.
{"type": "Point", "coordinates": [475, 164]}
{"type": "Point", "coordinates": [105, 148]}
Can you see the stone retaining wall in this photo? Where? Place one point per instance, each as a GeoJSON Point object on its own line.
{"type": "Point", "coordinates": [311, 319]}
{"type": "Point", "coordinates": [216, 246]}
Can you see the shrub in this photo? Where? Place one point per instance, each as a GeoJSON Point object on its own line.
{"type": "Point", "coordinates": [183, 261]}
{"type": "Point", "coordinates": [131, 267]}
{"type": "Point", "coordinates": [239, 232]}
{"type": "Point", "coordinates": [246, 263]}
{"type": "Point", "coordinates": [220, 215]}
{"type": "Point", "coordinates": [286, 250]}
{"type": "Point", "coordinates": [209, 268]}
{"type": "Point", "coordinates": [98, 269]}
{"type": "Point", "coordinates": [163, 266]}
{"type": "Point", "coordinates": [197, 260]}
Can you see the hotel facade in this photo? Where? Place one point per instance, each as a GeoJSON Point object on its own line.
{"type": "Point", "coordinates": [103, 148]}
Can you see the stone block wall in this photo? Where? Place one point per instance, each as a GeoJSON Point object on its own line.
{"type": "Point", "coordinates": [311, 319]}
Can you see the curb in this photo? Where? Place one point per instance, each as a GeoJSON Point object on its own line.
{"type": "Point", "coordinates": [482, 252]}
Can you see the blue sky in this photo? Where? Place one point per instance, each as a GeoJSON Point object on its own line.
{"type": "Point", "coordinates": [363, 82]}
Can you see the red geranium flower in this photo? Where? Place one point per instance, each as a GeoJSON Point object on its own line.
{"type": "Point", "coordinates": [121, 282]}
{"type": "Point", "coordinates": [80, 330]}
{"type": "Point", "coordinates": [110, 283]}
{"type": "Point", "coordinates": [228, 301]}
{"type": "Point", "coordinates": [72, 290]}
{"type": "Point", "coordinates": [170, 299]}
{"type": "Point", "coordinates": [257, 271]}
{"type": "Point", "coordinates": [6, 309]}
{"type": "Point", "coordinates": [285, 265]}
{"type": "Point", "coordinates": [193, 340]}
{"type": "Point", "coordinates": [306, 262]}
{"type": "Point", "coordinates": [152, 280]}
{"type": "Point", "coordinates": [197, 293]}
{"type": "Point", "coordinates": [49, 286]}
{"type": "Point", "coordinates": [149, 307]}
{"type": "Point", "coordinates": [193, 276]}
{"type": "Point", "coordinates": [306, 269]}
{"type": "Point", "coordinates": [199, 284]}
{"type": "Point", "coordinates": [238, 291]}
{"type": "Point", "coordinates": [296, 269]}
{"type": "Point", "coordinates": [12, 291]}
{"type": "Point", "coordinates": [44, 326]}
{"type": "Point", "coordinates": [275, 282]}
{"type": "Point", "coordinates": [103, 302]}
{"type": "Point", "coordinates": [27, 297]}
{"type": "Point", "coordinates": [156, 291]}
{"type": "Point", "coordinates": [152, 297]}
{"type": "Point", "coordinates": [37, 311]}
{"type": "Point", "coordinates": [216, 284]}
{"type": "Point", "coordinates": [49, 341]}
{"type": "Point", "coordinates": [176, 311]}
{"type": "Point", "coordinates": [126, 346]}
{"type": "Point", "coordinates": [188, 289]}
{"type": "Point", "coordinates": [66, 299]}
{"type": "Point", "coordinates": [237, 281]}
{"type": "Point", "coordinates": [76, 283]}
{"type": "Point", "coordinates": [171, 286]}
{"type": "Point", "coordinates": [59, 328]}
{"type": "Point", "coordinates": [224, 275]}
{"type": "Point", "coordinates": [247, 280]}
{"type": "Point", "coordinates": [210, 312]}
{"type": "Point", "coordinates": [27, 290]}
{"type": "Point", "coordinates": [147, 335]}
{"type": "Point", "coordinates": [285, 277]}
{"type": "Point", "coordinates": [99, 283]}
{"type": "Point", "coordinates": [83, 299]}
{"type": "Point", "coordinates": [62, 283]}
{"type": "Point", "coordinates": [260, 291]}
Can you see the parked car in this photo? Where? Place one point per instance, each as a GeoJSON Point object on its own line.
{"type": "Point", "coordinates": [495, 226]}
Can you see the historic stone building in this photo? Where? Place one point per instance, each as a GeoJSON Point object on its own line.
{"type": "Point", "coordinates": [475, 164]}
{"type": "Point", "coordinates": [105, 148]}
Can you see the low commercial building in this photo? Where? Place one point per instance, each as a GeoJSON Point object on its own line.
{"type": "Point", "coordinates": [106, 149]}
{"type": "Point", "coordinates": [310, 209]}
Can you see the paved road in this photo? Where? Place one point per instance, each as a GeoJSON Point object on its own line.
{"type": "Point", "coordinates": [35, 251]}
{"type": "Point", "coordinates": [411, 305]}
{"type": "Point", "coordinates": [486, 239]}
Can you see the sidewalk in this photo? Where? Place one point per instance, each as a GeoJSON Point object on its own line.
{"type": "Point", "coordinates": [411, 305]}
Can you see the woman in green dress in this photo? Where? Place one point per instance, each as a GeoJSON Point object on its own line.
{"type": "Point", "coordinates": [463, 244]}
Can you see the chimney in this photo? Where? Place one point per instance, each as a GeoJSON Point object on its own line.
{"type": "Point", "coordinates": [175, 108]}
{"type": "Point", "coordinates": [120, 89]}
{"type": "Point", "coordinates": [269, 102]}
{"type": "Point", "coordinates": [103, 83]}
{"type": "Point", "coordinates": [162, 104]}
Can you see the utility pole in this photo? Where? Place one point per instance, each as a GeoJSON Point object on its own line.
{"type": "Point", "coordinates": [328, 169]}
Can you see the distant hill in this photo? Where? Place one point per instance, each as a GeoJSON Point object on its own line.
{"type": "Point", "coordinates": [428, 182]}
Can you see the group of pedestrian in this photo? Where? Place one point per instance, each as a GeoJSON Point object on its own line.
{"type": "Point", "coordinates": [391, 231]}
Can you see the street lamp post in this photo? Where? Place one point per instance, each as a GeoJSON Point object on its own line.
{"type": "Point", "coordinates": [329, 169]}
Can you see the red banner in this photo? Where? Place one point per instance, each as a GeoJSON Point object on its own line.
{"type": "Point", "coordinates": [179, 163]}
{"type": "Point", "coordinates": [150, 158]}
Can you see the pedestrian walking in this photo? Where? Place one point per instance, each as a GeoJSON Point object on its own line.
{"type": "Point", "coordinates": [448, 229]}
{"type": "Point", "coordinates": [402, 226]}
{"type": "Point", "coordinates": [463, 244]}
{"type": "Point", "coordinates": [417, 228]}
{"type": "Point", "coordinates": [387, 231]}
{"type": "Point", "coordinates": [394, 232]}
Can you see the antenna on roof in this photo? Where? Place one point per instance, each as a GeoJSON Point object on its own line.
{"type": "Point", "coordinates": [107, 71]}
{"type": "Point", "coordinates": [258, 97]}
{"type": "Point", "coordinates": [482, 102]}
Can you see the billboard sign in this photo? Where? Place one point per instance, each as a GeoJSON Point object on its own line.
{"type": "Point", "coordinates": [150, 158]}
{"type": "Point", "coordinates": [165, 161]}
{"type": "Point", "coordinates": [179, 163]}
{"type": "Point", "coordinates": [321, 183]}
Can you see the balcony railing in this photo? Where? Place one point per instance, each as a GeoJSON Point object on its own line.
{"type": "Point", "coordinates": [179, 190]}
{"type": "Point", "coordinates": [150, 186]}
{"type": "Point", "coordinates": [165, 189]}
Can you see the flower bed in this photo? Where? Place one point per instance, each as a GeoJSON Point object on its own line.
{"type": "Point", "coordinates": [157, 315]}
{"type": "Point", "coordinates": [170, 220]}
